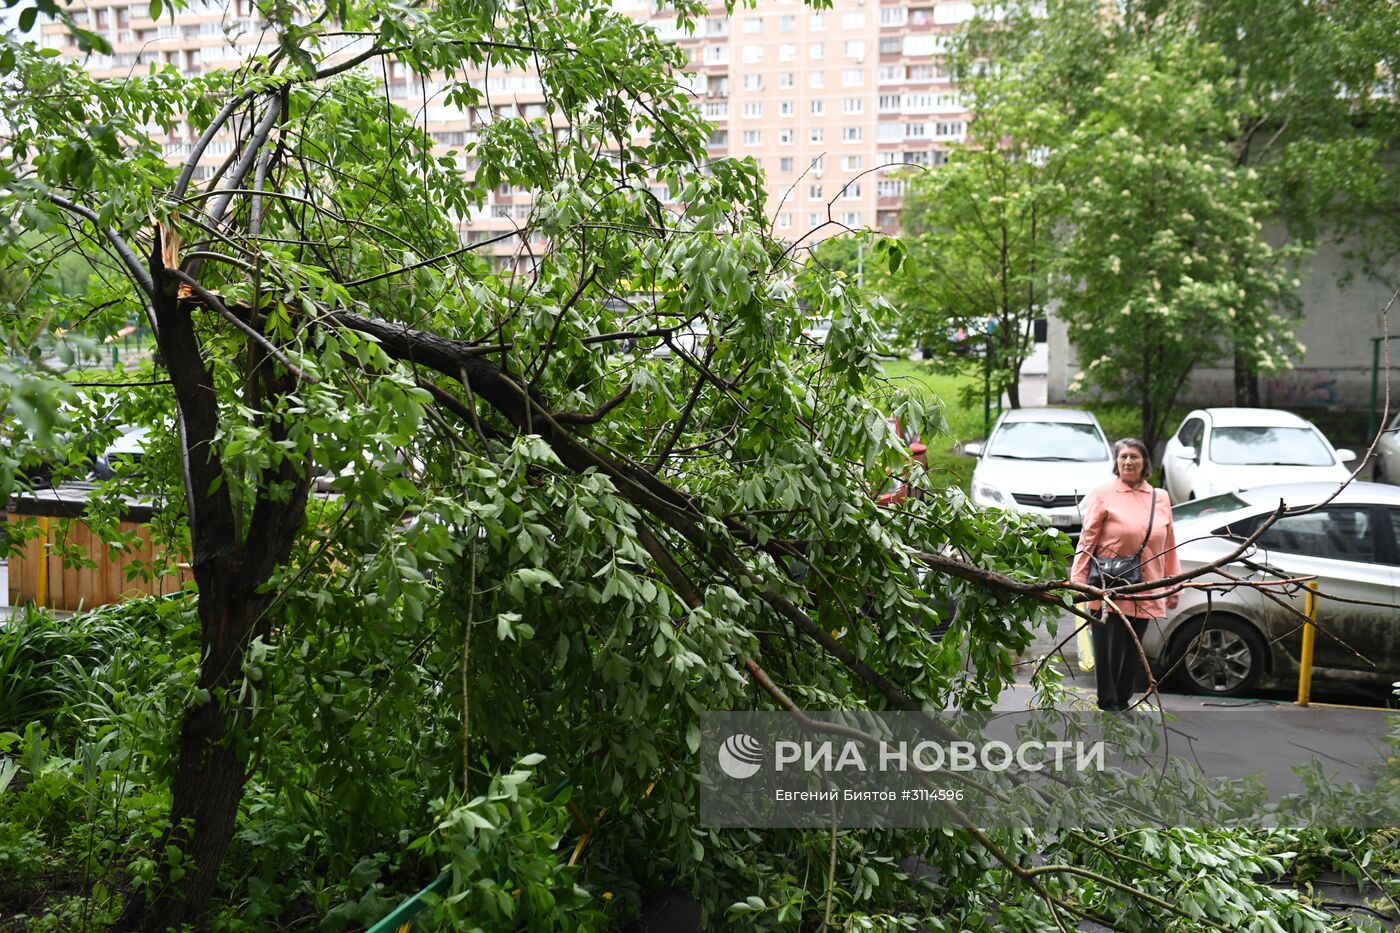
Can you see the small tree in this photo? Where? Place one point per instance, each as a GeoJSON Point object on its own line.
{"type": "Point", "coordinates": [980, 235]}
{"type": "Point", "coordinates": [1167, 265]}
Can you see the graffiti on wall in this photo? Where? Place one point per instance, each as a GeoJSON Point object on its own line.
{"type": "Point", "coordinates": [1301, 387]}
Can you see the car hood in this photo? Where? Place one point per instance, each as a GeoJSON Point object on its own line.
{"type": "Point", "coordinates": [1057, 477]}
{"type": "Point", "coordinates": [1228, 478]}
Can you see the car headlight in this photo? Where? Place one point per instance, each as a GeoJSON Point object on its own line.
{"type": "Point", "coordinates": [987, 494]}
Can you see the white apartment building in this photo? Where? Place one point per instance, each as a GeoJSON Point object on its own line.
{"type": "Point", "coordinates": [833, 104]}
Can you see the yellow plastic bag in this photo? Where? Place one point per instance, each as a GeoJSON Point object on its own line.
{"type": "Point", "coordinates": [1086, 650]}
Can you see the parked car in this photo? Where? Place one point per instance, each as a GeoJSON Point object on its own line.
{"type": "Point", "coordinates": [897, 488]}
{"type": "Point", "coordinates": [1239, 639]}
{"type": "Point", "coordinates": [1387, 466]}
{"type": "Point", "coordinates": [130, 447]}
{"type": "Point", "coordinates": [1218, 450]}
{"type": "Point", "coordinates": [817, 329]}
{"type": "Point", "coordinates": [1041, 462]}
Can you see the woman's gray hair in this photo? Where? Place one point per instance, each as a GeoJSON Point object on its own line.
{"type": "Point", "coordinates": [1139, 446]}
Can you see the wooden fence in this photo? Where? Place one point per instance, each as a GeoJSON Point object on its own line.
{"type": "Point", "coordinates": [38, 572]}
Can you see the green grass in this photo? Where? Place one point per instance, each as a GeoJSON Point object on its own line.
{"type": "Point", "coordinates": [964, 421]}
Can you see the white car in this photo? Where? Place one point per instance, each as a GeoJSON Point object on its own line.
{"type": "Point", "coordinates": [1041, 462]}
{"type": "Point", "coordinates": [1240, 637]}
{"type": "Point", "coordinates": [1219, 450]}
{"type": "Point", "coordinates": [1387, 465]}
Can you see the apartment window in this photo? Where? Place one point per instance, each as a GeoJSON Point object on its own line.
{"type": "Point", "coordinates": [787, 52]}
{"type": "Point", "coordinates": [888, 132]}
{"type": "Point", "coordinates": [853, 105]}
{"type": "Point", "coordinates": [753, 25]}
{"type": "Point", "coordinates": [851, 134]}
{"type": "Point", "coordinates": [818, 79]}
{"type": "Point", "coordinates": [753, 137]}
{"type": "Point", "coordinates": [719, 137]}
{"type": "Point", "coordinates": [752, 54]}
{"type": "Point", "coordinates": [717, 54]}
{"type": "Point", "coordinates": [818, 106]}
{"type": "Point", "coordinates": [890, 45]}
{"type": "Point", "coordinates": [915, 130]}
{"type": "Point", "coordinates": [814, 192]}
{"type": "Point", "coordinates": [851, 163]}
{"type": "Point", "coordinates": [851, 218]}
{"type": "Point", "coordinates": [785, 137]}
{"type": "Point", "coordinates": [818, 21]}
{"type": "Point", "coordinates": [716, 27]}
{"type": "Point", "coordinates": [947, 102]}
{"type": "Point", "coordinates": [889, 103]}
{"type": "Point", "coordinates": [891, 74]}
{"type": "Point", "coordinates": [852, 77]}
{"type": "Point", "coordinates": [716, 110]}
{"type": "Point", "coordinates": [818, 165]}
{"type": "Point", "coordinates": [717, 86]}
{"type": "Point", "coordinates": [890, 188]}
{"type": "Point", "coordinates": [753, 109]}
{"type": "Point", "coordinates": [787, 79]}
{"type": "Point", "coordinates": [923, 72]}
{"type": "Point", "coordinates": [918, 103]}
{"type": "Point", "coordinates": [937, 157]}
{"type": "Point", "coordinates": [816, 51]}
{"type": "Point", "coordinates": [786, 108]}
{"type": "Point", "coordinates": [853, 48]}
{"type": "Point", "coordinates": [785, 164]}
{"type": "Point", "coordinates": [851, 192]}
{"type": "Point", "coordinates": [817, 135]}
{"type": "Point", "coordinates": [787, 24]}
{"type": "Point", "coordinates": [917, 158]}
{"type": "Point", "coordinates": [813, 220]}
{"type": "Point", "coordinates": [887, 158]}
{"type": "Point", "coordinates": [947, 130]}
{"type": "Point", "coordinates": [785, 220]}
{"type": "Point", "coordinates": [894, 16]}
{"type": "Point", "coordinates": [753, 82]}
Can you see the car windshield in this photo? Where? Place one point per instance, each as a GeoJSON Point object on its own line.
{"type": "Point", "coordinates": [1229, 502]}
{"type": "Point", "coordinates": [1048, 440]}
{"type": "Point", "coordinates": [1269, 446]}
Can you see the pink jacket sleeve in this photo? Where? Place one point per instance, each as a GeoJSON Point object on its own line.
{"type": "Point", "coordinates": [1171, 563]}
{"type": "Point", "coordinates": [1088, 536]}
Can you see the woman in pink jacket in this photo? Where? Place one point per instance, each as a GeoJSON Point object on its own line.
{"type": "Point", "coordinates": [1123, 517]}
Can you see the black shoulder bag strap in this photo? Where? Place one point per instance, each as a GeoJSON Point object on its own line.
{"type": "Point", "coordinates": [1151, 517]}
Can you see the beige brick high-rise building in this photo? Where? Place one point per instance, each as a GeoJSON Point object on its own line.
{"type": "Point", "coordinates": [830, 102]}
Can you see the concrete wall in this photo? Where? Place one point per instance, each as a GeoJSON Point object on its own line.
{"type": "Point", "coordinates": [1337, 328]}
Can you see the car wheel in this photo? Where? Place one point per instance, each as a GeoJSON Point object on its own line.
{"type": "Point", "coordinates": [1222, 656]}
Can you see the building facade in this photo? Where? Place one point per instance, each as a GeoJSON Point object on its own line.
{"type": "Point", "coordinates": [835, 105]}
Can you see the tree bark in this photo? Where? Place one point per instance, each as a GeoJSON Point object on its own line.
{"type": "Point", "coordinates": [213, 759]}
{"type": "Point", "coordinates": [229, 569]}
{"type": "Point", "coordinates": [1246, 382]}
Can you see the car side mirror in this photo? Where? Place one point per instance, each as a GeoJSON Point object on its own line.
{"type": "Point", "coordinates": [972, 448]}
{"type": "Point", "coordinates": [1186, 453]}
{"type": "Point", "coordinates": [1346, 455]}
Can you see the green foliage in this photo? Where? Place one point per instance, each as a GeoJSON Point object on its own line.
{"type": "Point", "coordinates": [535, 567]}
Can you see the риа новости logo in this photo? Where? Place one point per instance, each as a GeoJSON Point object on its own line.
{"type": "Point", "coordinates": [740, 756]}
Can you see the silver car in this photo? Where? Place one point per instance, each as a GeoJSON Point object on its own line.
{"type": "Point", "coordinates": [1236, 639]}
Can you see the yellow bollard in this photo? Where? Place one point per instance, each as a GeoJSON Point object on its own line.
{"type": "Point", "coordinates": [41, 569]}
{"type": "Point", "coordinates": [1309, 641]}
